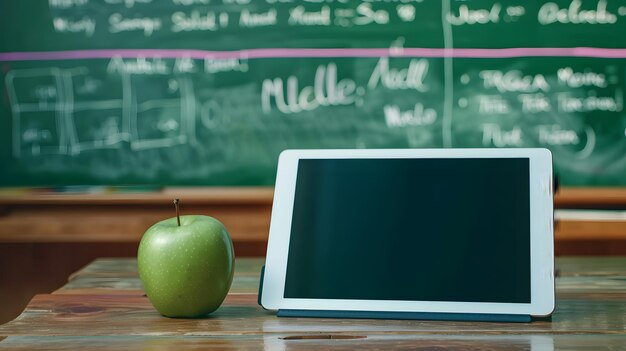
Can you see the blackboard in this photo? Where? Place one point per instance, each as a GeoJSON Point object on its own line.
{"type": "Point", "coordinates": [209, 92]}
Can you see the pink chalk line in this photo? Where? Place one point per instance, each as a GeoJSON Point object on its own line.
{"type": "Point", "coordinates": [294, 53]}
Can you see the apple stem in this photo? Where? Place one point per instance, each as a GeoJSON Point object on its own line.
{"type": "Point", "coordinates": [176, 201]}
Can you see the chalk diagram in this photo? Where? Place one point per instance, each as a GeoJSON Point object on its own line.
{"type": "Point", "coordinates": [68, 111]}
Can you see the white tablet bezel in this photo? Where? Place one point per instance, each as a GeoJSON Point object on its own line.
{"type": "Point", "coordinates": [541, 235]}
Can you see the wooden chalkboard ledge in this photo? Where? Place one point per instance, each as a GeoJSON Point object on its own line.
{"type": "Point", "coordinates": [591, 198]}
{"type": "Point", "coordinates": [189, 195]}
{"type": "Point", "coordinates": [116, 217]}
{"type": "Point", "coordinates": [565, 198]}
{"type": "Point", "coordinates": [37, 217]}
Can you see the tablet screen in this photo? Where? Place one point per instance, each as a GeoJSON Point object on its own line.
{"type": "Point", "coordinates": [453, 229]}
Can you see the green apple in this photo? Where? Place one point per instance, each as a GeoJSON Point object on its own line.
{"type": "Point", "coordinates": [186, 265]}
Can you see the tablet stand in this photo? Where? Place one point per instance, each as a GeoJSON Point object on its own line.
{"type": "Point", "coordinates": [433, 316]}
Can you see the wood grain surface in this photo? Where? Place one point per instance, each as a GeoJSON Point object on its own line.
{"type": "Point", "coordinates": [103, 307]}
{"type": "Point", "coordinates": [118, 314]}
{"type": "Point", "coordinates": [278, 342]}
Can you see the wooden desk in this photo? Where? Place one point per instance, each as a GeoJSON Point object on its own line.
{"type": "Point", "coordinates": [102, 307]}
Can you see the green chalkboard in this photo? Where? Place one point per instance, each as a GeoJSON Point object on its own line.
{"type": "Point", "coordinates": [209, 92]}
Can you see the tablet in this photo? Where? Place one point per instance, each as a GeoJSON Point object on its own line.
{"type": "Point", "coordinates": [449, 231]}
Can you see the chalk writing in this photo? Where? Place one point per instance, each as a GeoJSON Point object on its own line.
{"type": "Point", "coordinates": [557, 135]}
{"type": "Point", "coordinates": [494, 135]}
{"type": "Point", "coordinates": [148, 25]}
{"type": "Point", "coordinates": [194, 21]}
{"type": "Point", "coordinates": [140, 65]}
{"type": "Point", "coordinates": [479, 16]}
{"type": "Point", "coordinates": [551, 13]}
{"type": "Point", "coordinates": [581, 79]}
{"type": "Point", "coordinates": [411, 77]}
{"type": "Point", "coordinates": [325, 90]}
{"type": "Point", "coordinates": [85, 25]}
{"type": "Point", "coordinates": [418, 116]}
{"type": "Point", "coordinates": [514, 81]}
